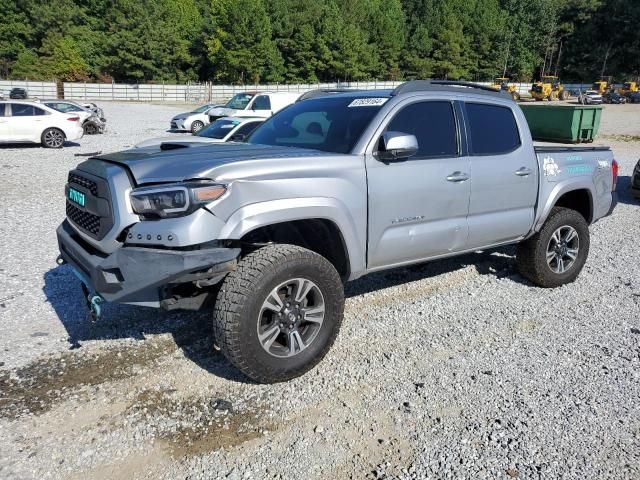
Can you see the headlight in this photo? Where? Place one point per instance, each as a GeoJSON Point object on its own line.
{"type": "Point", "coordinates": [174, 200]}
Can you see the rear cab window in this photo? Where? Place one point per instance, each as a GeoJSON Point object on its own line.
{"type": "Point", "coordinates": [492, 129]}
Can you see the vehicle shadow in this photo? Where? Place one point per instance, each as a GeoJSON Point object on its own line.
{"type": "Point", "coordinates": [624, 191]}
{"type": "Point", "coordinates": [192, 332]}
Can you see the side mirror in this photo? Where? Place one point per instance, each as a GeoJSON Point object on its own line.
{"type": "Point", "coordinates": [238, 137]}
{"type": "Point", "coordinates": [396, 146]}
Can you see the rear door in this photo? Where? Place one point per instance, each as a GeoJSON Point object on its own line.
{"type": "Point", "coordinates": [504, 175]}
{"type": "Point", "coordinates": [418, 207]}
{"type": "Point", "coordinates": [27, 122]}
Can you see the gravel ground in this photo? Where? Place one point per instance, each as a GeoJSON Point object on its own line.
{"type": "Point", "coordinates": [455, 369]}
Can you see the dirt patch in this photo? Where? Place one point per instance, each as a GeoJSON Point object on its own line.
{"type": "Point", "coordinates": [622, 138]}
{"type": "Point", "coordinates": [195, 425]}
{"type": "Point", "coordinates": [38, 386]}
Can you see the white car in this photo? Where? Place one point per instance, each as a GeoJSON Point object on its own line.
{"type": "Point", "coordinates": [193, 121]}
{"type": "Point", "coordinates": [590, 97]}
{"type": "Point", "coordinates": [222, 130]}
{"type": "Point", "coordinates": [254, 104]}
{"type": "Point", "coordinates": [32, 122]}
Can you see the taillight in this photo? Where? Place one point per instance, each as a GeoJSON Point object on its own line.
{"type": "Point", "coordinates": [614, 172]}
{"type": "Point", "coordinates": [73, 119]}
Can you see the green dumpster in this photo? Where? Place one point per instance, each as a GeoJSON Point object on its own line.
{"type": "Point", "coordinates": [563, 123]}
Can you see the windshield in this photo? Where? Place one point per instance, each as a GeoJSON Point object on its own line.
{"type": "Point", "coordinates": [239, 101]}
{"type": "Point", "coordinates": [330, 124]}
{"type": "Point", "coordinates": [202, 109]}
{"type": "Point", "coordinates": [218, 129]}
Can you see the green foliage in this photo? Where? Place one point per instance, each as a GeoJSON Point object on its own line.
{"type": "Point", "coordinates": [250, 41]}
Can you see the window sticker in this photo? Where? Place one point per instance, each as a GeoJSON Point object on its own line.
{"type": "Point", "coordinates": [368, 102]}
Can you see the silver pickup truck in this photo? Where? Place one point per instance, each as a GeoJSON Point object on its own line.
{"type": "Point", "coordinates": [327, 190]}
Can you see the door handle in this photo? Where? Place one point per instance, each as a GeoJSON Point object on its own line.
{"type": "Point", "coordinates": [523, 172]}
{"type": "Point", "coordinates": [458, 177]}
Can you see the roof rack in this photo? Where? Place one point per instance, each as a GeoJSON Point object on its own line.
{"type": "Point", "coordinates": [447, 86]}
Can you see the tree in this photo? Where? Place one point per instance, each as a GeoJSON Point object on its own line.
{"type": "Point", "coordinates": [241, 48]}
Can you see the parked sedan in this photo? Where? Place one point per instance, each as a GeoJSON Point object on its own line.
{"type": "Point", "coordinates": [635, 181]}
{"type": "Point", "coordinates": [94, 121]}
{"type": "Point", "coordinates": [222, 130]}
{"type": "Point", "coordinates": [193, 121]}
{"type": "Point", "coordinates": [31, 122]}
{"type": "Point", "coordinates": [18, 94]}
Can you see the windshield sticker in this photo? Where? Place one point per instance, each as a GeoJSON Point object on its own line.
{"type": "Point", "coordinates": [579, 169]}
{"type": "Point", "coordinates": [368, 102]}
{"type": "Point", "coordinates": [228, 125]}
{"type": "Point", "coordinates": [551, 168]}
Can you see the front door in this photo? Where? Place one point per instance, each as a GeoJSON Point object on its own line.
{"type": "Point", "coordinates": [418, 206]}
{"type": "Point", "coordinates": [5, 131]}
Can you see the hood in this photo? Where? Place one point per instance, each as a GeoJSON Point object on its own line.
{"type": "Point", "coordinates": [181, 116]}
{"type": "Point", "coordinates": [175, 139]}
{"type": "Point", "coordinates": [222, 112]}
{"type": "Point", "coordinates": [151, 165]}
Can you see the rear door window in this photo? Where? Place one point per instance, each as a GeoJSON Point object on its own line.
{"type": "Point", "coordinates": [22, 110]}
{"type": "Point", "coordinates": [492, 129]}
{"type": "Point", "coordinates": [434, 125]}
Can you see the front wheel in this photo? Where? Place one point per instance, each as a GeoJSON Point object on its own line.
{"type": "Point", "coordinates": [556, 254]}
{"type": "Point", "coordinates": [279, 312]}
{"type": "Point", "coordinates": [196, 126]}
{"type": "Point", "coordinates": [52, 138]}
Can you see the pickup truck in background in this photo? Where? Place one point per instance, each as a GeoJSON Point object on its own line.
{"type": "Point", "coordinates": [253, 104]}
{"type": "Point", "coordinates": [326, 191]}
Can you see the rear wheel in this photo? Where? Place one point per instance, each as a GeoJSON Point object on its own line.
{"type": "Point", "coordinates": [553, 96]}
{"type": "Point", "coordinates": [556, 254]}
{"type": "Point", "coordinates": [52, 138]}
{"type": "Point", "coordinates": [279, 312]}
{"type": "Point", "coordinates": [196, 126]}
{"type": "Point", "coordinates": [564, 95]}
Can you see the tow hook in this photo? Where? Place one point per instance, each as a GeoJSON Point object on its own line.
{"type": "Point", "coordinates": [93, 303]}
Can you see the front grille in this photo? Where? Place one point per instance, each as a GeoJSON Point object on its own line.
{"type": "Point", "coordinates": [174, 125]}
{"type": "Point", "coordinates": [84, 182]}
{"type": "Point", "coordinates": [94, 216]}
{"type": "Point", "coordinates": [85, 220]}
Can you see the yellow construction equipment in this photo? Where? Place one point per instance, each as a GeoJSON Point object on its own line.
{"type": "Point", "coordinates": [502, 83]}
{"type": "Point", "coordinates": [603, 85]}
{"type": "Point", "coordinates": [628, 88]}
{"type": "Point", "coordinates": [548, 88]}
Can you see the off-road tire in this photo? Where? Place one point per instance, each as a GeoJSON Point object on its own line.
{"type": "Point", "coordinates": [52, 138]}
{"type": "Point", "coordinates": [553, 96]}
{"type": "Point", "coordinates": [241, 297]}
{"type": "Point", "coordinates": [531, 254]}
{"type": "Point", "coordinates": [197, 126]}
{"type": "Point", "coordinates": [564, 95]}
